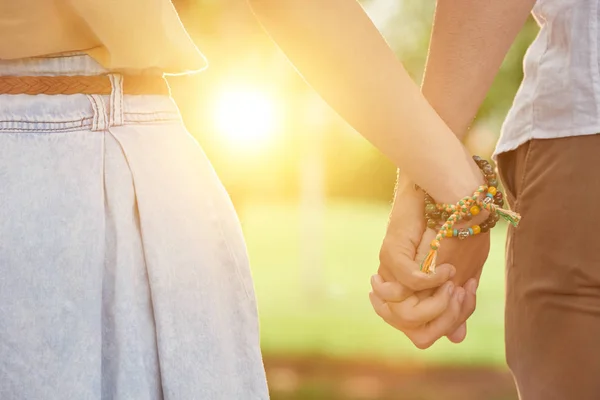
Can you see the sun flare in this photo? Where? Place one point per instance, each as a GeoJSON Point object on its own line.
{"type": "Point", "coordinates": [247, 117]}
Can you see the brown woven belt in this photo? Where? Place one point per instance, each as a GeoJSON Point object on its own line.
{"type": "Point", "coordinates": [98, 84]}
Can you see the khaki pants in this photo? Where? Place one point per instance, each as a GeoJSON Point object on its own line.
{"type": "Point", "coordinates": [553, 268]}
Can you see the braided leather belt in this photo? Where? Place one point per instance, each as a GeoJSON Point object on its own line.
{"type": "Point", "coordinates": [98, 84]}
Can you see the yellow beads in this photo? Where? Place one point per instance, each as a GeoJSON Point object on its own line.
{"type": "Point", "coordinates": [476, 229]}
{"type": "Point", "coordinates": [475, 210]}
{"type": "Point", "coordinates": [492, 190]}
{"type": "Point", "coordinates": [448, 233]}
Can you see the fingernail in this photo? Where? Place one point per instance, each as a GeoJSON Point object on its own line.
{"type": "Point", "coordinates": [461, 296]}
{"type": "Point", "coordinates": [450, 268]}
{"type": "Point", "coordinates": [450, 288]}
{"type": "Point", "coordinates": [376, 279]}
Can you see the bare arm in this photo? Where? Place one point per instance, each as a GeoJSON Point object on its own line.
{"type": "Point", "coordinates": [342, 55]}
{"type": "Point", "coordinates": [469, 42]}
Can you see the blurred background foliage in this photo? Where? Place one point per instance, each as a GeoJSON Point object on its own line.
{"type": "Point", "coordinates": [241, 54]}
{"type": "Point", "coordinates": [313, 197]}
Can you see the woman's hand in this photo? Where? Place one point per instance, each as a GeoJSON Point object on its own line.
{"type": "Point", "coordinates": [408, 299]}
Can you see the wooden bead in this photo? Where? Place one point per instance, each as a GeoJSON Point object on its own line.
{"type": "Point", "coordinates": [430, 208]}
{"type": "Point", "coordinates": [431, 224]}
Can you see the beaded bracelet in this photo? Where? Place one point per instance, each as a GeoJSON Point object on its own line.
{"type": "Point", "coordinates": [436, 215]}
{"type": "Point", "coordinates": [485, 197]}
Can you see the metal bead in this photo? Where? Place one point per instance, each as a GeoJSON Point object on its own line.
{"type": "Point", "coordinates": [463, 234]}
{"type": "Point", "coordinates": [487, 200]}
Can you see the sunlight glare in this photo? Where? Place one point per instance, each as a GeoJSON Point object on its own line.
{"type": "Point", "coordinates": [246, 117]}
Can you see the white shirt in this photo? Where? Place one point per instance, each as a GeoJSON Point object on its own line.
{"type": "Point", "coordinates": [560, 93]}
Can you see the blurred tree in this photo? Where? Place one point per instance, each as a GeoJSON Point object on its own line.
{"type": "Point", "coordinates": [408, 31]}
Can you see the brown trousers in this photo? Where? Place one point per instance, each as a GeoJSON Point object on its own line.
{"type": "Point", "coordinates": [553, 268]}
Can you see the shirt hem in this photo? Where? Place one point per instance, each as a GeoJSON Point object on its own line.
{"type": "Point", "coordinates": [507, 145]}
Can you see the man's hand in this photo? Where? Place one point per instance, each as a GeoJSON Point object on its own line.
{"type": "Point", "coordinates": [402, 295]}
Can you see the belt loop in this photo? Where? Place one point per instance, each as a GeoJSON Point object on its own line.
{"type": "Point", "coordinates": [116, 100]}
{"type": "Point", "coordinates": [100, 122]}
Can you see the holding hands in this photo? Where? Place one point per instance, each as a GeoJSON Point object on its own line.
{"type": "Point", "coordinates": [424, 306]}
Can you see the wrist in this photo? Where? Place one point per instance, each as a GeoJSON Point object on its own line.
{"type": "Point", "coordinates": [460, 187]}
{"type": "Point", "coordinates": [472, 214]}
{"type": "Point", "coordinates": [451, 187]}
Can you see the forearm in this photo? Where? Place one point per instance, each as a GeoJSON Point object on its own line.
{"type": "Point", "coordinates": [341, 54]}
{"type": "Point", "coordinates": [469, 41]}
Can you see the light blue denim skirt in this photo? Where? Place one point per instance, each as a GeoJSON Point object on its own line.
{"type": "Point", "coordinates": [123, 270]}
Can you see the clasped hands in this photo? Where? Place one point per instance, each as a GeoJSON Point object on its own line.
{"type": "Point", "coordinates": [425, 307]}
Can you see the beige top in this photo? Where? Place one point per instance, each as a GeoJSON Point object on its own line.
{"type": "Point", "coordinates": [120, 34]}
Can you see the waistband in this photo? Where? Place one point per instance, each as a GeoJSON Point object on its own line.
{"type": "Point", "coordinates": [54, 113]}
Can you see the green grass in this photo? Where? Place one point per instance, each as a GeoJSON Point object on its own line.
{"type": "Point", "coordinates": [324, 309]}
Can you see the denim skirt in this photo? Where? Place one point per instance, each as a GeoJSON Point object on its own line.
{"type": "Point", "coordinates": [123, 269]}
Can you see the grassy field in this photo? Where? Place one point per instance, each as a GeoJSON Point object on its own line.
{"type": "Point", "coordinates": [323, 310]}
